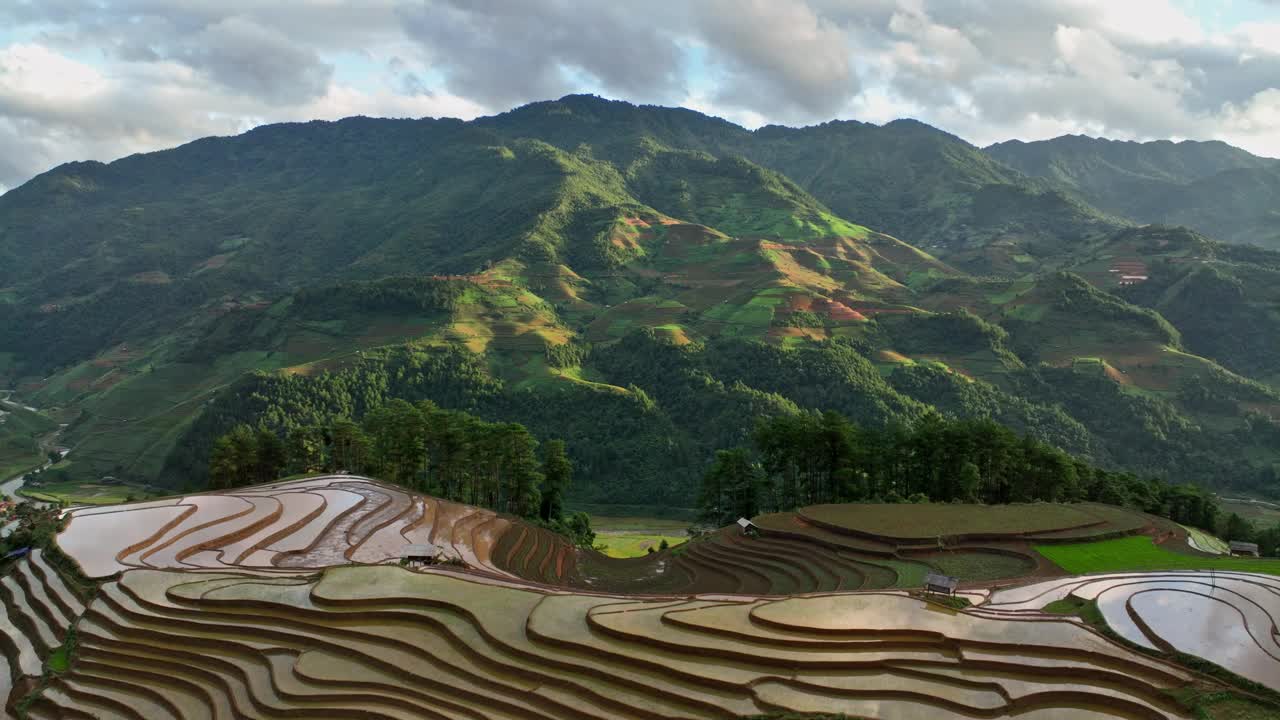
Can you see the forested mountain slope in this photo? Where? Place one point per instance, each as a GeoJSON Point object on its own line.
{"type": "Point", "coordinates": [1213, 187]}
{"type": "Point", "coordinates": [643, 282]}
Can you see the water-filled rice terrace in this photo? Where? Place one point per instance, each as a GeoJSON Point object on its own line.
{"type": "Point", "coordinates": [288, 600]}
{"type": "Point", "coordinates": [322, 522]}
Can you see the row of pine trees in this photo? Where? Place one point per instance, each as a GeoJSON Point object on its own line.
{"type": "Point", "coordinates": [809, 458]}
{"type": "Point", "coordinates": [446, 453]}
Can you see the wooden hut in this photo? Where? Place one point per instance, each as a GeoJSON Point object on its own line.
{"type": "Point", "coordinates": [419, 554]}
{"type": "Point", "coordinates": [941, 584]}
{"type": "Point", "coordinates": [1244, 548]}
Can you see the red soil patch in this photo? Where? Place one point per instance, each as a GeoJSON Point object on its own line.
{"type": "Point", "coordinates": [1151, 378]}
{"type": "Point", "coordinates": [799, 301]}
{"type": "Point", "coordinates": [1115, 374]}
{"type": "Point", "coordinates": [838, 311]}
{"type": "Point", "coordinates": [872, 311]}
{"type": "Point", "coordinates": [774, 245]}
{"type": "Point", "coordinates": [1127, 271]}
{"type": "Point", "coordinates": [214, 263]}
{"type": "Point", "coordinates": [1271, 410]}
{"type": "Point", "coordinates": [151, 277]}
{"type": "Point", "coordinates": [1129, 266]}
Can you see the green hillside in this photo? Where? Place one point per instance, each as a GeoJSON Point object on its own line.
{"type": "Point", "coordinates": [904, 178]}
{"type": "Point", "coordinates": [20, 434]}
{"type": "Point", "coordinates": [643, 282]}
{"type": "Point", "coordinates": [1223, 298]}
{"type": "Point", "coordinates": [1217, 189]}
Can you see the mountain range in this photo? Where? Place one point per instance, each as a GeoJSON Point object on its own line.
{"type": "Point", "coordinates": [645, 282]}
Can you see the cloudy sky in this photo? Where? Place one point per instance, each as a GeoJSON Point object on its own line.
{"type": "Point", "coordinates": [99, 79]}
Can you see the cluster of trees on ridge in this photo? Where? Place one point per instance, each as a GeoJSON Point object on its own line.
{"type": "Point", "coordinates": [445, 453]}
{"type": "Point", "coordinates": [812, 458]}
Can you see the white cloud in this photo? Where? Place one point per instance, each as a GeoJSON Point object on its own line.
{"type": "Point", "coordinates": [1253, 125]}
{"type": "Point", "coordinates": [54, 108]}
{"type": "Point", "coordinates": [1253, 38]}
{"type": "Point", "coordinates": [1150, 22]}
{"type": "Point", "coordinates": [100, 80]}
{"type": "Point", "coordinates": [703, 104]}
{"type": "Point", "coordinates": [778, 57]}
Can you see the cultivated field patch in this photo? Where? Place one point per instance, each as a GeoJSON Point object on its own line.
{"type": "Point", "coordinates": [1140, 553]}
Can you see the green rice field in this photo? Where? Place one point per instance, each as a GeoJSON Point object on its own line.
{"type": "Point", "coordinates": [1206, 541]}
{"type": "Point", "coordinates": [623, 537]}
{"type": "Point", "coordinates": [626, 545]}
{"type": "Point", "coordinates": [1140, 553]}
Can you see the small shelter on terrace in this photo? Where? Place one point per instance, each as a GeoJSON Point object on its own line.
{"type": "Point", "coordinates": [941, 584]}
{"type": "Point", "coordinates": [1244, 548]}
{"type": "Point", "coordinates": [748, 527]}
{"type": "Point", "coordinates": [419, 554]}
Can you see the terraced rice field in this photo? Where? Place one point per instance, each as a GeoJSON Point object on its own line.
{"type": "Point", "coordinates": [301, 524]}
{"type": "Point", "coordinates": [1228, 618]}
{"type": "Point", "coordinates": [286, 600]}
{"type": "Point", "coordinates": [38, 607]}
{"type": "Point", "coordinates": [322, 522]}
{"type": "Point", "coordinates": [389, 643]}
